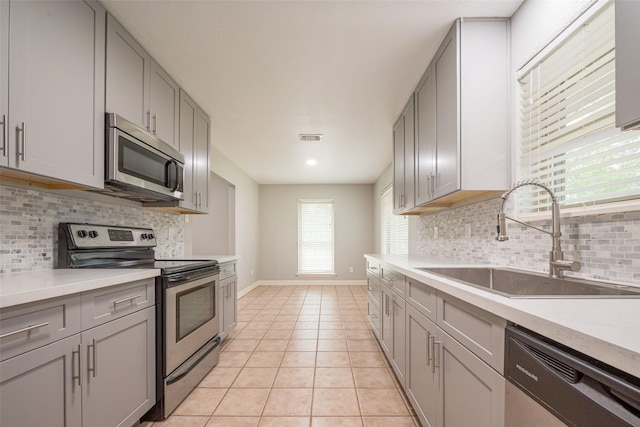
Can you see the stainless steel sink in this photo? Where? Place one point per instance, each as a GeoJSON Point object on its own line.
{"type": "Point", "coordinates": [520, 284]}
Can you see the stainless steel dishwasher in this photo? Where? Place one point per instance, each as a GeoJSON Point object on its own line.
{"type": "Point", "coordinates": [576, 389]}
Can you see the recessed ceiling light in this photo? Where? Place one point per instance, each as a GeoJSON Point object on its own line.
{"type": "Point", "coordinates": [311, 162]}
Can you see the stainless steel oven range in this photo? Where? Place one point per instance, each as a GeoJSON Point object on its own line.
{"type": "Point", "coordinates": [187, 341]}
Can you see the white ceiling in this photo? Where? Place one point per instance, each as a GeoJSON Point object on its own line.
{"type": "Point", "coordinates": [266, 71]}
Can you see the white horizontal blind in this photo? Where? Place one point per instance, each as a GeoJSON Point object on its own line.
{"type": "Point", "coordinates": [315, 237]}
{"type": "Point", "coordinates": [394, 231]}
{"type": "Point", "coordinates": [567, 132]}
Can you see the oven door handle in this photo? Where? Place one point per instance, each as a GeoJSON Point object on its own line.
{"type": "Point", "coordinates": [182, 370]}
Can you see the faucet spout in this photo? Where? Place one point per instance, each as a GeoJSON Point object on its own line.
{"type": "Point", "coordinates": [557, 263]}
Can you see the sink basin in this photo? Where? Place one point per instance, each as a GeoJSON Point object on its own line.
{"type": "Point", "coordinates": [521, 284]}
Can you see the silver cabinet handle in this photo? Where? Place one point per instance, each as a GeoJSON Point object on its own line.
{"type": "Point", "coordinates": [436, 354]}
{"type": "Point", "coordinates": [128, 299]}
{"type": "Point", "coordinates": [155, 123]}
{"type": "Point", "coordinates": [391, 299]}
{"type": "Point", "coordinates": [429, 338]}
{"type": "Point", "coordinates": [22, 150]}
{"type": "Point", "coordinates": [27, 329]}
{"type": "Point", "coordinates": [4, 135]}
{"type": "Point", "coordinates": [149, 120]}
{"type": "Point", "coordinates": [94, 347]}
{"type": "Point", "coordinates": [73, 375]}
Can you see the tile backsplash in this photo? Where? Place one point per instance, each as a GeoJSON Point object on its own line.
{"type": "Point", "coordinates": [607, 245]}
{"type": "Point", "coordinates": [29, 225]}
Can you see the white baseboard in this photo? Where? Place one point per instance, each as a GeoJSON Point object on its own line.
{"type": "Point", "coordinates": [310, 282]}
{"type": "Point", "coordinates": [248, 289]}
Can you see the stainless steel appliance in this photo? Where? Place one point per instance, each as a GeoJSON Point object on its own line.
{"type": "Point", "coordinates": [140, 166]}
{"type": "Point", "coordinates": [576, 389]}
{"type": "Point", "coordinates": [187, 340]}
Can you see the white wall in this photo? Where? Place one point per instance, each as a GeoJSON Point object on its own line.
{"type": "Point", "coordinates": [353, 211]}
{"type": "Point", "coordinates": [246, 219]}
{"type": "Point", "coordinates": [216, 232]}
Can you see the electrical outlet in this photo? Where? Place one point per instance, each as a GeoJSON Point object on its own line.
{"type": "Point", "coordinates": [350, 269]}
{"type": "Point", "coordinates": [467, 230]}
{"type": "Point", "coordinates": [435, 233]}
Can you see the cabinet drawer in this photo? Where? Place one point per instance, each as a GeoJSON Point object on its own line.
{"type": "Point", "coordinates": [373, 289]}
{"type": "Point", "coordinates": [227, 270]}
{"type": "Point", "coordinates": [394, 280]}
{"type": "Point", "coordinates": [373, 312]}
{"type": "Point", "coordinates": [28, 327]}
{"type": "Point", "coordinates": [422, 297]}
{"type": "Point", "coordinates": [114, 302]}
{"type": "Point", "coordinates": [478, 330]}
{"type": "Point", "coordinates": [373, 268]}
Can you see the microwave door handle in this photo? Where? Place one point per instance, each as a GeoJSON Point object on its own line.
{"type": "Point", "coordinates": [176, 183]}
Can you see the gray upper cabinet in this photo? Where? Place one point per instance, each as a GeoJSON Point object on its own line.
{"type": "Point", "coordinates": [53, 51]}
{"type": "Point", "coordinates": [137, 88]}
{"type": "Point", "coordinates": [462, 133]}
{"type": "Point", "coordinates": [627, 64]}
{"type": "Point", "coordinates": [194, 145]}
{"type": "Point", "coordinates": [403, 159]}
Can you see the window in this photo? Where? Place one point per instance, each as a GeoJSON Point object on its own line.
{"type": "Point", "coordinates": [315, 237]}
{"type": "Point", "coordinates": [568, 138]}
{"type": "Point", "coordinates": [394, 232]}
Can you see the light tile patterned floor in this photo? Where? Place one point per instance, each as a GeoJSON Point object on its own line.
{"type": "Point", "coordinates": [301, 356]}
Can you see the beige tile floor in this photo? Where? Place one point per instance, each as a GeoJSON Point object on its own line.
{"type": "Point", "coordinates": [301, 356]}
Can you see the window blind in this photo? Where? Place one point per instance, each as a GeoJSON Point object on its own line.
{"type": "Point", "coordinates": [394, 229]}
{"type": "Point", "coordinates": [315, 237]}
{"type": "Point", "coordinates": [568, 138]}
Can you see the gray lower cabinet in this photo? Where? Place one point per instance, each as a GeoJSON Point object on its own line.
{"type": "Point", "coordinates": [392, 334]}
{"type": "Point", "coordinates": [228, 299]}
{"type": "Point", "coordinates": [446, 383]}
{"type": "Point", "coordinates": [59, 370]}
{"type": "Point", "coordinates": [373, 305]}
{"type": "Point", "coordinates": [40, 387]}
{"type": "Point", "coordinates": [118, 388]}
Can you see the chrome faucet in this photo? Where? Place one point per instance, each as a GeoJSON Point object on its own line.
{"type": "Point", "coordinates": [557, 264]}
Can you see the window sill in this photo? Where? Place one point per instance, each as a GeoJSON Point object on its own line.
{"type": "Point", "coordinates": [316, 275]}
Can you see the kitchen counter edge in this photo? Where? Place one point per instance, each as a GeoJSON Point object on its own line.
{"type": "Point", "coordinates": [605, 329]}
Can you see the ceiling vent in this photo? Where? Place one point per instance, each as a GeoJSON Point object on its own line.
{"type": "Point", "coordinates": [310, 137]}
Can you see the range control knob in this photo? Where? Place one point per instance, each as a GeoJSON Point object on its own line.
{"type": "Point", "coordinates": [93, 234]}
{"type": "Point", "coordinates": [82, 233]}
{"type": "Point", "coordinates": [144, 236]}
{"type": "Point", "coordinates": [150, 236]}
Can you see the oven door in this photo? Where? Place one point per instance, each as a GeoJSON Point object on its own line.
{"type": "Point", "coordinates": [191, 318]}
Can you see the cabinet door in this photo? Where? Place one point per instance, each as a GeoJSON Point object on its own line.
{"type": "Point", "coordinates": [37, 388]}
{"type": "Point", "coordinates": [425, 138]}
{"type": "Point", "coordinates": [4, 82]}
{"type": "Point", "coordinates": [408, 201]}
{"type": "Point", "coordinates": [447, 95]}
{"type": "Point", "coordinates": [127, 76]}
{"type": "Point", "coordinates": [398, 337]}
{"type": "Point", "coordinates": [398, 165]}
{"type": "Point", "coordinates": [201, 159]}
{"type": "Point", "coordinates": [188, 110]}
{"type": "Point", "coordinates": [164, 102]}
{"type": "Point", "coordinates": [386, 331]}
{"type": "Point", "coordinates": [627, 64]}
{"type": "Point", "coordinates": [421, 385]}
{"type": "Point", "coordinates": [373, 314]}
{"type": "Point", "coordinates": [120, 369]}
{"type": "Point", "coordinates": [230, 314]}
{"type": "Point", "coordinates": [472, 393]}
{"type": "Point", "coordinates": [56, 92]}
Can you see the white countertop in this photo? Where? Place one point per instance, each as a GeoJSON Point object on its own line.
{"type": "Point", "coordinates": [22, 288]}
{"type": "Point", "coordinates": [605, 329]}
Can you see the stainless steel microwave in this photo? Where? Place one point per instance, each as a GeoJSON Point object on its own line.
{"type": "Point", "coordinates": [140, 166]}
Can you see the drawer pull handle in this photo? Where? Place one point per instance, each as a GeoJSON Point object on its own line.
{"type": "Point", "coordinates": [27, 329]}
{"type": "Point", "coordinates": [436, 355]}
{"type": "Point", "coordinates": [122, 301]}
{"type": "Point", "coordinates": [430, 338]}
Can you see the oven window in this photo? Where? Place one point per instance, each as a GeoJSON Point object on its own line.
{"type": "Point", "coordinates": [194, 308]}
{"type": "Point", "coordinates": [135, 160]}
